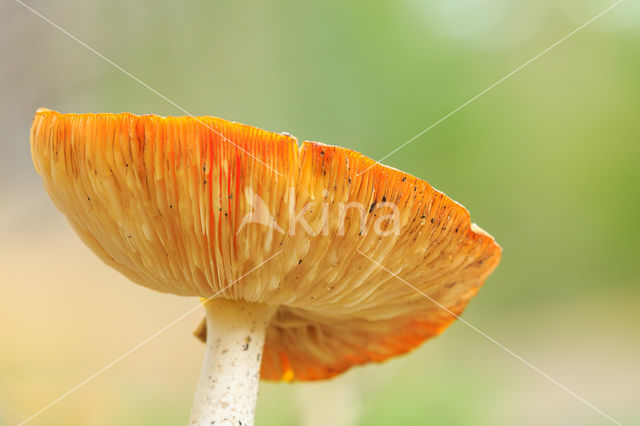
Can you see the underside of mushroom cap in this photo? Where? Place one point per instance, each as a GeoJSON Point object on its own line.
{"type": "Point", "coordinates": [198, 206]}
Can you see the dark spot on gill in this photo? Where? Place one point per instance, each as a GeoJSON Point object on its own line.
{"type": "Point", "coordinates": [247, 340]}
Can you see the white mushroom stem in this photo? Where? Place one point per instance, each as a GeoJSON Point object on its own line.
{"type": "Point", "coordinates": [228, 387]}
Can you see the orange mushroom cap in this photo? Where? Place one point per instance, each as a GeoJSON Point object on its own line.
{"type": "Point", "coordinates": [192, 205]}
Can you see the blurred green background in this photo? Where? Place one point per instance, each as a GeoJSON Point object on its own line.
{"type": "Point", "coordinates": [547, 161]}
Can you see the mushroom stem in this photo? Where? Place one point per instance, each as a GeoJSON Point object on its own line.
{"type": "Point", "coordinates": [228, 387]}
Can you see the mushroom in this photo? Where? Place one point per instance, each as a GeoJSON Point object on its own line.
{"type": "Point", "coordinates": [296, 251]}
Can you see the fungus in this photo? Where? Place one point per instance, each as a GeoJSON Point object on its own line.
{"type": "Point", "coordinates": [279, 242]}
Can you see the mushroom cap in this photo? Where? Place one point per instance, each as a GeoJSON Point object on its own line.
{"type": "Point", "coordinates": [199, 205]}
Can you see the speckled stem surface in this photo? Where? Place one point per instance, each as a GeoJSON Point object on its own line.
{"type": "Point", "coordinates": [228, 389]}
